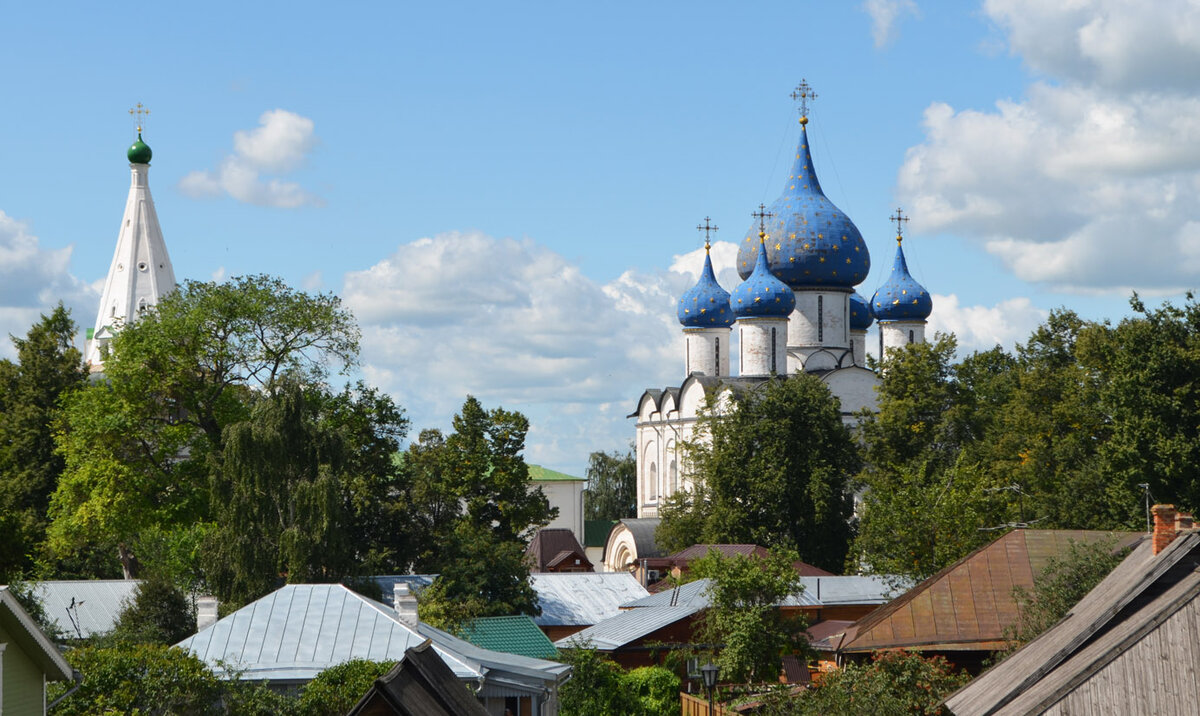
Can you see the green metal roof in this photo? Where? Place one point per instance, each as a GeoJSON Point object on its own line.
{"type": "Point", "coordinates": [537, 473]}
{"type": "Point", "coordinates": [595, 532]}
{"type": "Point", "coordinates": [514, 635]}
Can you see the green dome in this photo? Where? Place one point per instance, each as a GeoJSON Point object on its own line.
{"type": "Point", "coordinates": [140, 152]}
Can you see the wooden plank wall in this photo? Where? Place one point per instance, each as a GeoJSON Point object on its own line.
{"type": "Point", "coordinates": [696, 706]}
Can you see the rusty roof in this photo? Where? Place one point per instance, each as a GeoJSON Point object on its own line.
{"type": "Point", "coordinates": [968, 605]}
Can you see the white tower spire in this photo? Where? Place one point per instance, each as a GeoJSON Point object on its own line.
{"type": "Point", "coordinates": [141, 272]}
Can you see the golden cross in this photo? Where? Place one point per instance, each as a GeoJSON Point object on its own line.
{"type": "Point", "coordinates": [140, 113]}
{"type": "Point", "coordinates": [707, 228]}
{"type": "Point", "coordinates": [762, 215]}
{"type": "Point", "coordinates": [802, 94]}
{"type": "Point", "coordinates": [899, 218]}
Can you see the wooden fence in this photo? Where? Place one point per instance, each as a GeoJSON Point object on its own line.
{"type": "Point", "coordinates": [698, 706]}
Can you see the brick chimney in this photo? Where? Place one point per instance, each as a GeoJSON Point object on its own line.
{"type": "Point", "coordinates": [1164, 526]}
{"type": "Point", "coordinates": [405, 603]}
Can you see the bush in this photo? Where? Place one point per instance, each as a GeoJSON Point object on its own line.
{"type": "Point", "coordinates": [655, 687]}
{"type": "Point", "coordinates": [158, 614]}
{"type": "Point", "coordinates": [338, 688]}
{"type": "Point", "coordinates": [140, 678]}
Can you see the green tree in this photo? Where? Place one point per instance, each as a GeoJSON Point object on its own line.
{"type": "Point", "coordinates": [336, 689]}
{"type": "Point", "coordinates": [159, 613]}
{"type": "Point", "coordinates": [892, 684]}
{"type": "Point", "coordinates": [596, 686]}
{"type": "Point", "coordinates": [140, 679]}
{"type": "Point", "coordinates": [656, 689]}
{"type": "Point", "coordinates": [48, 367]}
{"type": "Point", "coordinates": [474, 510]}
{"type": "Point", "coordinates": [743, 617]}
{"type": "Point", "coordinates": [772, 470]}
{"type": "Point", "coordinates": [611, 492]}
{"type": "Point", "coordinates": [139, 446]}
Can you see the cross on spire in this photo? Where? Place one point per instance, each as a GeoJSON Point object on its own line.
{"type": "Point", "coordinates": [762, 215]}
{"type": "Point", "coordinates": [139, 113]}
{"type": "Point", "coordinates": [803, 94]}
{"type": "Point", "coordinates": [707, 228]}
{"type": "Point", "coordinates": [900, 219]}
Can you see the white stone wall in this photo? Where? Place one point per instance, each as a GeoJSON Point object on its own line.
{"type": "Point", "coordinates": [858, 347]}
{"type": "Point", "coordinates": [762, 346]}
{"type": "Point", "coordinates": [567, 496]}
{"type": "Point", "coordinates": [706, 350]}
{"type": "Point", "coordinates": [897, 334]}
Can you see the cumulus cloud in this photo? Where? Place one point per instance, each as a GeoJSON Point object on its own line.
{"type": "Point", "coordinates": [281, 143]}
{"type": "Point", "coordinates": [1083, 185]}
{"type": "Point", "coordinates": [1122, 44]}
{"type": "Point", "coordinates": [33, 280]}
{"type": "Point", "coordinates": [884, 14]}
{"type": "Point", "coordinates": [980, 328]}
{"type": "Point", "coordinates": [516, 324]}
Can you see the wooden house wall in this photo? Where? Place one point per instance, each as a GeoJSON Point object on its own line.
{"type": "Point", "coordinates": [1156, 676]}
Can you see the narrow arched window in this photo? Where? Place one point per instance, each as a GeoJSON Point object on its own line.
{"type": "Point", "coordinates": [774, 367]}
{"type": "Point", "coordinates": [910, 336]}
{"type": "Point", "coordinates": [820, 319]}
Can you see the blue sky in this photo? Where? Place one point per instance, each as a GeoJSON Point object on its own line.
{"type": "Point", "coordinates": [506, 193]}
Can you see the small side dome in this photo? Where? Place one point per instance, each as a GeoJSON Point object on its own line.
{"type": "Point", "coordinates": [762, 295]}
{"type": "Point", "coordinates": [901, 298]}
{"type": "Point", "coordinates": [139, 152]}
{"type": "Point", "coordinates": [705, 305]}
{"type": "Point", "coordinates": [860, 313]}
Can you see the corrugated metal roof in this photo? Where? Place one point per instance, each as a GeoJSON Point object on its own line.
{"type": "Point", "coordinates": [626, 627]}
{"type": "Point", "coordinates": [98, 602]}
{"type": "Point", "coordinates": [512, 635]}
{"type": "Point", "coordinates": [968, 605]}
{"type": "Point", "coordinates": [582, 598]}
{"type": "Point", "coordinates": [817, 592]}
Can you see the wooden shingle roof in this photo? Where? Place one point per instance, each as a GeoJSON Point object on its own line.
{"type": "Point", "coordinates": [968, 605]}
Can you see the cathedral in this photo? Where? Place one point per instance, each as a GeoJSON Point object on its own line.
{"type": "Point", "coordinates": [796, 309]}
{"type": "Point", "coordinates": [141, 272]}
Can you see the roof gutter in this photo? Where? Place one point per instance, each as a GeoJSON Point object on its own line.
{"type": "Point", "coordinates": [78, 679]}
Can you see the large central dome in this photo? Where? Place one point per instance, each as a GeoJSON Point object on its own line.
{"type": "Point", "coordinates": [810, 242]}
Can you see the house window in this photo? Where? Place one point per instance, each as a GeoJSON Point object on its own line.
{"type": "Point", "coordinates": [717, 355]}
{"type": "Point", "coordinates": [910, 336]}
{"type": "Point", "coordinates": [652, 487]}
{"type": "Point", "coordinates": [773, 352]}
{"type": "Point", "coordinates": [674, 485]}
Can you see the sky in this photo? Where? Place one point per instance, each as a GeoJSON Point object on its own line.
{"type": "Point", "coordinates": [505, 194]}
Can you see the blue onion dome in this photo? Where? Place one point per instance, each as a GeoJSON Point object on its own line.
{"type": "Point", "coordinates": [762, 295]}
{"type": "Point", "coordinates": [901, 298]}
{"type": "Point", "coordinates": [860, 313]}
{"type": "Point", "coordinates": [816, 244]}
{"type": "Point", "coordinates": [705, 305]}
{"type": "Point", "coordinates": [139, 152]}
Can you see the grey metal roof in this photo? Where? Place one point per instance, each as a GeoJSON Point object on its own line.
{"type": "Point", "coordinates": [583, 598]}
{"type": "Point", "coordinates": [98, 603]}
{"type": "Point", "coordinates": [642, 529]}
{"type": "Point", "coordinates": [626, 627]}
{"type": "Point", "coordinates": [387, 584]}
{"type": "Point", "coordinates": [817, 592]}
{"type": "Point", "coordinates": [294, 633]}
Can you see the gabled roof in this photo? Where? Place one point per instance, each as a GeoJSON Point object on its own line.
{"type": "Point", "coordinates": [1141, 622]}
{"type": "Point", "coordinates": [419, 684]}
{"type": "Point", "coordinates": [968, 605]}
{"type": "Point", "coordinates": [537, 473]}
{"type": "Point", "coordinates": [595, 532]}
{"type": "Point", "coordinates": [298, 631]}
{"type": "Point", "coordinates": [29, 638]}
{"type": "Point", "coordinates": [98, 603]}
{"type": "Point", "coordinates": [626, 627]}
{"type": "Point", "coordinates": [582, 598]}
{"type": "Point", "coordinates": [551, 545]}
{"type": "Point", "coordinates": [817, 592]}
{"type": "Point", "coordinates": [512, 635]}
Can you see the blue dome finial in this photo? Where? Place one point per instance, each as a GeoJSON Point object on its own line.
{"type": "Point", "coordinates": [816, 244]}
{"type": "Point", "coordinates": [705, 305]}
{"type": "Point", "coordinates": [901, 298]}
{"type": "Point", "coordinates": [762, 295]}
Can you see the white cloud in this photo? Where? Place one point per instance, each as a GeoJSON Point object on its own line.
{"type": "Point", "coordinates": [1082, 186]}
{"type": "Point", "coordinates": [884, 14]}
{"type": "Point", "coordinates": [516, 324]}
{"type": "Point", "coordinates": [281, 143]}
{"type": "Point", "coordinates": [1122, 44]}
{"type": "Point", "coordinates": [33, 280]}
{"type": "Point", "coordinates": [981, 328]}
